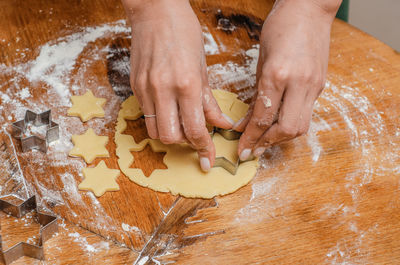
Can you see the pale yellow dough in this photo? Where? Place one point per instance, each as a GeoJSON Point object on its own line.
{"type": "Point", "coordinates": [184, 175]}
{"type": "Point", "coordinates": [87, 106]}
{"type": "Point", "coordinates": [99, 179]}
{"type": "Point", "coordinates": [89, 146]}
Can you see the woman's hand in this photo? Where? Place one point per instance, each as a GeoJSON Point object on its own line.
{"type": "Point", "coordinates": [291, 70]}
{"type": "Point", "coordinates": [169, 75]}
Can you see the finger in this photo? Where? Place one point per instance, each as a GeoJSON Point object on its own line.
{"type": "Point", "coordinates": [151, 122]}
{"type": "Point", "coordinates": [241, 124]}
{"type": "Point", "coordinates": [194, 125]}
{"type": "Point", "coordinates": [213, 113]}
{"type": "Point", "coordinates": [294, 119]}
{"type": "Point", "coordinates": [168, 123]}
{"type": "Point", "coordinates": [265, 108]}
{"type": "Point", "coordinates": [146, 104]}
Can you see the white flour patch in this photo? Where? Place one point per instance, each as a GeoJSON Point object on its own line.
{"type": "Point", "coordinates": [312, 137]}
{"type": "Point", "coordinates": [210, 45]}
{"type": "Point", "coordinates": [56, 61]}
{"type": "Point", "coordinates": [5, 98]}
{"type": "Point", "coordinates": [24, 93]}
{"type": "Point", "coordinates": [55, 67]}
{"type": "Point", "coordinates": [365, 126]}
{"type": "Point", "coordinates": [71, 189]}
{"type": "Point", "coordinates": [263, 188]}
{"type": "Point", "coordinates": [89, 248]}
{"type": "Point", "coordinates": [268, 198]}
{"type": "Point", "coordinates": [242, 76]}
{"type": "Point", "coordinates": [352, 251]}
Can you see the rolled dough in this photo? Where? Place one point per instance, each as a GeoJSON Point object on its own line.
{"type": "Point", "coordinates": [184, 175]}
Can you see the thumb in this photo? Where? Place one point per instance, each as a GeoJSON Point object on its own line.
{"type": "Point", "coordinates": [212, 112]}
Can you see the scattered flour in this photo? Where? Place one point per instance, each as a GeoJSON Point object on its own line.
{"type": "Point", "coordinates": [24, 93]}
{"type": "Point", "coordinates": [210, 45]}
{"type": "Point", "coordinates": [90, 248]}
{"type": "Point", "coordinates": [241, 76]}
{"type": "Point", "coordinates": [55, 61]}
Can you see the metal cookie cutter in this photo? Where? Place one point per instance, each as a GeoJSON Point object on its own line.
{"type": "Point", "coordinates": [221, 161]}
{"type": "Point", "coordinates": [48, 228]}
{"type": "Point", "coordinates": [36, 142]}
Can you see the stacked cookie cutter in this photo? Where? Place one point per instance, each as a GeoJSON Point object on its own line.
{"type": "Point", "coordinates": [223, 162]}
{"type": "Point", "coordinates": [36, 142]}
{"type": "Point", "coordinates": [48, 228]}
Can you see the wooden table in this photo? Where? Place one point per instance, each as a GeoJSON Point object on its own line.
{"type": "Point", "coordinates": [330, 197]}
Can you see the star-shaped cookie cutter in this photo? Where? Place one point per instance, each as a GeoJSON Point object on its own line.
{"type": "Point", "coordinates": [48, 228]}
{"type": "Point", "coordinates": [36, 142]}
{"type": "Point", "coordinates": [221, 161]}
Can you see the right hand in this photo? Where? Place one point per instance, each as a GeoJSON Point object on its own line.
{"type": "Point", "coordinates": [169, 76]}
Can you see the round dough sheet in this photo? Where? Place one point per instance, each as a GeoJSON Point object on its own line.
{"type": "Point", "coordinates": [184, 175]}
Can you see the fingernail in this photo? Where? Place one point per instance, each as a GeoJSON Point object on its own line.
{"type": "Point", "coordinates": [205, 164]}
{"type": "Point", "coordinates": [245, 154]}
{"type": "Point", "coordinates": [259, 151]}
{"type": "Point", "coordinates": [237, 124]}
{"type": "Point", "coordinates": [228, 119]}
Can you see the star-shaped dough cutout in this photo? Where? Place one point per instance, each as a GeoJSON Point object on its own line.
{"type": "Point", "coordinates": [99, 179]}
{"type": "Point", "coordinates": [222, 149]}
{"type": "Point", "coordinates": [89, 146]}
{"type": "Point", "coordinates": [87, 106]}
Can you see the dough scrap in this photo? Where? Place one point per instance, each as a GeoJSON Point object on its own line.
{"type": "Point", "coordinates": [87, 106]}
{"type": "Point", "coordinates": [99, 179]}
{"type": "Point", "coordinates": [89, 146]}
{"type": "Point", "coordinates": [184, 175]}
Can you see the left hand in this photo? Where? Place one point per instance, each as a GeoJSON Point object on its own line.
{"type": "Point", "coordinates": [293, 61]}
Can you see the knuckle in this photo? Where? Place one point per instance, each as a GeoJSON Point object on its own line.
{"type": "Point", "coordinates": [251, 140]}
{"type": "Point", "coordinates": [280, 75]}
{"type": "Point", "coordinates": [196, 136]}
{"type": "Point", "coordinates": [288, 130]}
{"type": "Point", "coordinates": [263, 123]}
{"type": "Point", "coordinates": [169, 138]}
{"type": "Point", "coordinates": [306, 77]}
{"type": "Point", "coordinates": [185, 82]}
{"type": "Point", "coordinates": [159, 80]}
{"type": "Point", "coordinates": [304, 129]}
{"type": "Point", "coordinates": [264, 82]}
{"type": "Point", "coordinates": [140, 82]}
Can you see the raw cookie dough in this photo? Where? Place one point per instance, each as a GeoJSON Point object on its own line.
{"type": "Point", "coordinates": [87, 106]}
{"type": "Point", "coordinates": [99, 179]}
{"type": "Point", "coordinates": [184, 175]}
{"type": "Point", "coordinates": [89, 146]}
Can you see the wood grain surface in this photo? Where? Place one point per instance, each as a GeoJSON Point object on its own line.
{"type": "Point", "coordinates": [330, 197]}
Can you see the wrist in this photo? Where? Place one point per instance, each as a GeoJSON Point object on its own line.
{"type": "Point", "coordinates": [329, 7]}
{"type": "Point", "coordinates": [138, 10]}
{"type": "Point", "coordinates": [324, 9]}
